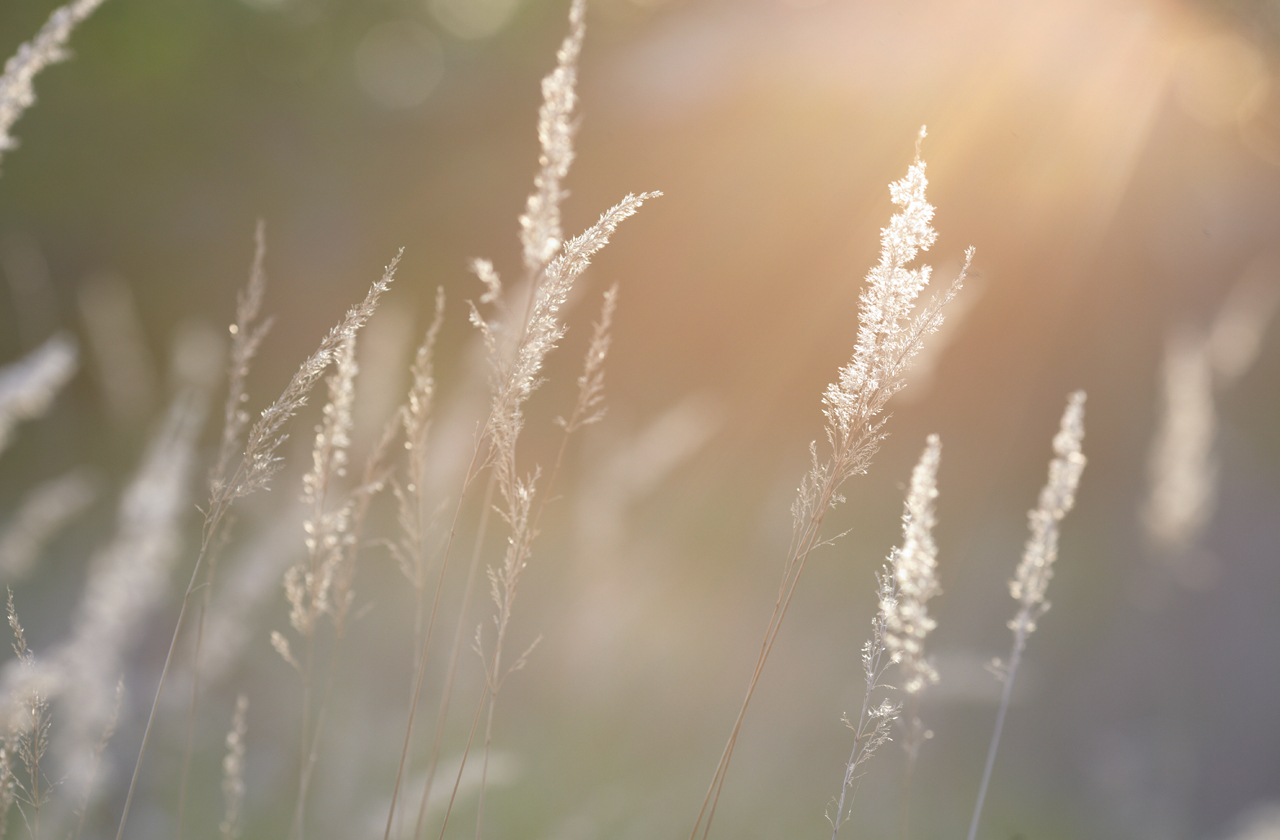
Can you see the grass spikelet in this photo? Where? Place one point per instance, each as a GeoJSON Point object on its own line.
{"type": "Point", "coordinates": [915, 567]}
{"type": "Point", "coordinates": [265, 437]}
{"type": "Point", "coordinates": [540, 232]}
{"type": "Point", "coordinates": [258, 464]}
{"type": "Point", "coordinates": [516, 381]}
{"type": "Point", "coordinates": [900, 626]}
{"type": "Point", "coordinates": [515, 373]}
{"type": "Point", "coordinates": [280, 643]}
{"type": "Point", "coordinates": [1236, 336]}
{"type": "Point", "coordinates": [1056, 500]}
{"type": "Point", "coordinates": [327, 530]}
{"type": "Point", "coordinates": [888, 337]}
{"type": "Point", "coordinates": [29, 736]}
{"type": "Point", "coordinates": [874, 720]}
{"type": "Point", "coordinates": [410, 550]}
{"type": "Point", "coordinates": [543, 330]}
{"type": "Point", "coordinates": [416, 414]}
{"type": "Point", "coordinates": [589, 407]}
{"type": "Point", "coordinates": [247, 334]}
{"type": "Point", "coordinates": [322, 583]}
{"type": "Point", "coordinates": [329, 536]}
{"type": "Point", "coordinates": [519, 495]}
{"type": "Point", "coordinates": [374, 477]}
{"type": "Point", "coordinates": [915, 571]}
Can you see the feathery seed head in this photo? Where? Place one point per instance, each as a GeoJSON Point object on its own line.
{"type": "Point", "coordinates": [540, 231]}
{"type": "Point", "coordinates": [545, 326]}
{"type": "Point", "coordinates": [588, 408]}
{"type": "Point", "coordinates": [416, 413]}
{"type": "Point", "coordinates": [28, 386]}
{"type": "Point", "coordinates": [889, 336]}
{"type": "Point", "coordinates": [1056, 499]}
{"type": "Point", "coordinates": [1182, 468]}
{"type": "Point", "coordinates": [260, 461]}
{"type": "Point", "coordinates": [915, 572]}
{"type": "Point", "coordinates": [47, 47]}
{"type": "Point", "coordinates": [247, 334]}
{"type": "Point", "coordinates": [333, 436]}
{"type": "Point", "coordinates": [483, 269]}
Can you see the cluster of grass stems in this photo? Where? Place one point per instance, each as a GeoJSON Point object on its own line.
{"type": "Point", "coordinates": [519, 325]}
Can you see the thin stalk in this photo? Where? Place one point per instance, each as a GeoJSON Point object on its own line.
{"type": "Point", "coordinates": [35, 786]}
{"type": "Point", "coordinates": [417, 632]}
{"type": "Point", "coordinates": [298, 828]}
{"type": "Point", "coordinates": [803, 544]}
{"type": "Point", "coordinates": [191, 711]}
{"type": "Point", "coordinates": [313, 752]}
{"type": "Point", "coordinates": [908, 771]}
{"type": "Point", "coordinates": [488, 741]}
{"type": "Point", "coordinates": [860, 737]}
{"type": "Point", "coordinates": [217, 510]}
{"type": "Point", "coordinates": [794, 568]}
{"type": "Point", "coordinates": [916, 734]}
{"type": "Point", "coordinates": [475, 722]}
{"type": "Point", "coordinates": [472, 471]}
{"type": "Point", "coordinates": [418, 479]}
{"type": "Point", "coordinates": [904, 825]}
{"type": "Point", "coordinates": [493, 679]}
{"type": "Point", "coordinates": [195, 691]}
{"type": "Point", "coordinates": [358, 502]}
{"type": "Point", "coordinates": [1019, 642]}
{"type": "Point", "coordinates": [299, 805]}
{"type": "Point", "coordinates": [551, 479]}
{"type": "Point", "coordinates": [255, 468]}
{"type": "Point", "coordinates": [853, 446]}
{"type": "Point", "coordinates": [514, 383]}
{"type": "Point", "coordinates": [1036, 568]}
{"type": "Point", "coordinates": [447, 693]}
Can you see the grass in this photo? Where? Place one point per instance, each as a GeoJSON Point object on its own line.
{"type": "Point", "coordinates": [415, 513]}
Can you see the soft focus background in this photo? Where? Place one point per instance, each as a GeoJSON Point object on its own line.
{"type": "Point", "coordinates": [1114, 163]}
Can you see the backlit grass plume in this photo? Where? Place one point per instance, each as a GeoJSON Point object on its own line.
{"type": "Point", "coordinates": [17, 93]}
{"type": "Point", "coordinates": [259, 462]}
{"type": "Point", "coordinates": [28, 386]}
{"type": "Point", "coordinates": [540, 232]}
{"type": "Point", "coordinates": [900, 626]}
{"type": "Point", "coordinates": [517, 340]}
{"type": "Point", "coordinates": [914, 565]}
{"type": "Point", "coordinates": [889, 336]}
{"type": "Point", "coordinates": [1032, 576]}
{"type": "Point", "coordinates": [875, 720]}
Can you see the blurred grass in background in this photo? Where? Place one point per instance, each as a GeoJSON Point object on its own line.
{"type": "Point", "coordinates": [1114, 164]}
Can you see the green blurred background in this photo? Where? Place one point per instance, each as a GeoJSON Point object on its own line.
{"type": "Point", "coordinates": [1114, 163]}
